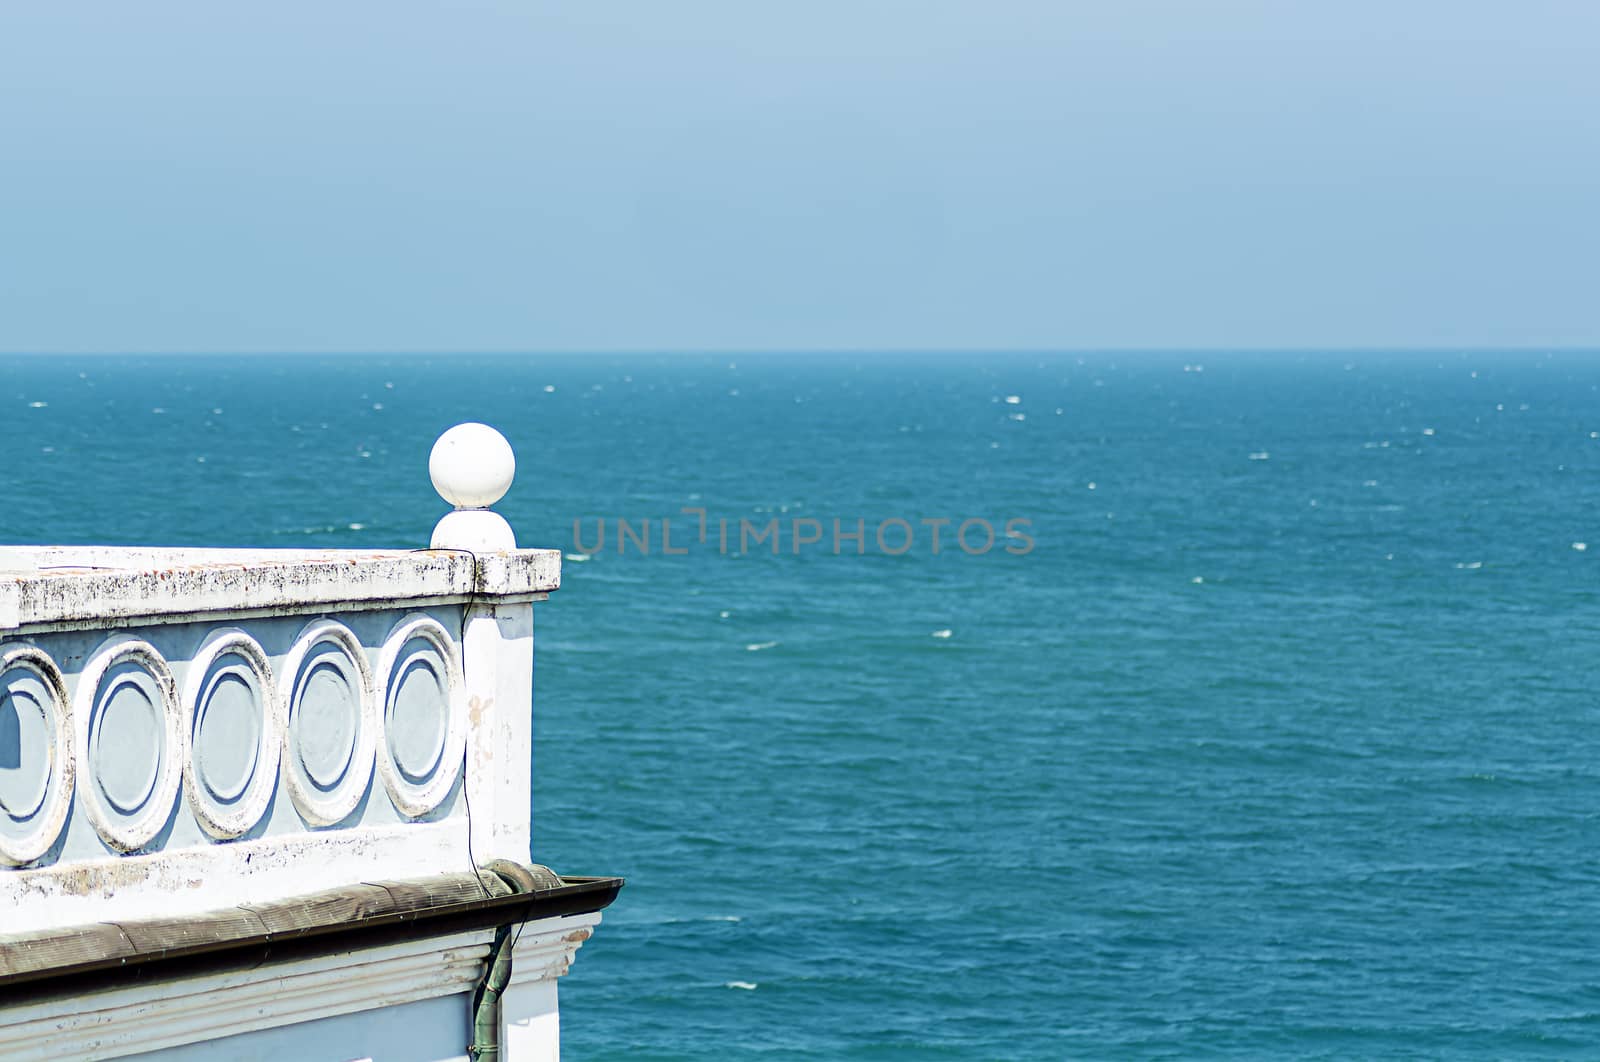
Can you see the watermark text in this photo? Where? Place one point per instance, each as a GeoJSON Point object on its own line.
{"type": "Point", "coordinates": [695, 529]}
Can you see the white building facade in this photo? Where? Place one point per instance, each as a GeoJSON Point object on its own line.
{"type": "Point", "coordinates": [276, 803]}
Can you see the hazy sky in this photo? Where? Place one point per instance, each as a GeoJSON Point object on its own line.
{"type": "Point", "coordinates": [738, 174]}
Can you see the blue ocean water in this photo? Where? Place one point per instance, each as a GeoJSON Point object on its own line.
{"type": "Point", "coordinates": [1275, 736]}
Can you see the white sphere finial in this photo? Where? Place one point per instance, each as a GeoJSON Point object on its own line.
{"type": "Point", "coordinates": [472, 466]}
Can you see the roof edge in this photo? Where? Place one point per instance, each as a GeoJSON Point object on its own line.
{"type": "Point", "coordinates": [367, 914]}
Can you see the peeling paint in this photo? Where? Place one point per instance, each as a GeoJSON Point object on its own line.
{"type": "Point", "coordinates": [49, 595]}
{"type": "Point", "coordinates": [290, 580]}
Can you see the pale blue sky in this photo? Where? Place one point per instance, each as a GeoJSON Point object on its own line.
{"type": "Point", "coordinates": [734, 174]}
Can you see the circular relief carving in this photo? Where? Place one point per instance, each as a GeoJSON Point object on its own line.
{"type": "Point", "coordinates": [36, 763]}
{"type": "Point", "coordinates": [329, 732]}
{"type": "Point", "coordinates": [234, 734]}
{"type": "Point", "coordinates": [129, 741]}
{"type": "Point", "coordinates": [422, 720]}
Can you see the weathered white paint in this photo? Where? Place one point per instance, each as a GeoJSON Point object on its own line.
{"type": "Point", "coordinates": [161, 1014]}
{"type": "Point", "coordinates": [273, 717]}
{"type": "Point", "coordinates": [228, 1013]}
{"type": "Point", "coordinates": [498, 655]}
{"type": "Point", "coordinates": [401, 662]}
{"type": "Point", "coordinates": [170, 884]}
{"type": "Point", "coordinates": [39, 821]}
{"type": "Point", "coordinates": [127, 821]}
{"type": "Point", "coordinates": [230, 654]}
{"type": "Point", "coordinates": [530, 1025]}
{"type": "Point", "coordinates": [530, 1019]}
{"type": "Point", "coordinates": [63, 849]}
{"type": "Point", "coordinates": [329, 649]}
{"type": "Point", "coordinates": [76, 845]}
{"type": "Point", "coordinates": [95, 587]}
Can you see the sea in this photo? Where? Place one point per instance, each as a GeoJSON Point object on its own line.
{"type": "Point", "coordinates": [1246, 706]}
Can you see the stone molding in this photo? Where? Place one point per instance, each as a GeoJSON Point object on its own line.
{"type": "Point", "coordinates": [89, 587]}
{"type": "Point", "coordinates": [30, 828]}
{"type": "Point", "coordinates": [228, 810]}
{"type": "Point", "coordinates": [330, 728]}
{"type": "Point", "coordinates": [129, 742]}
{"type": "Point", "coordinates": [164, 1014]}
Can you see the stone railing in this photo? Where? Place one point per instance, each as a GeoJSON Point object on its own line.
{"type": "Point", "coordinates": [186, 729]}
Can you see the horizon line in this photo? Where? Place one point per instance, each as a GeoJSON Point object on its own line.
{"type": "Point", "coordinates": [833, 351]}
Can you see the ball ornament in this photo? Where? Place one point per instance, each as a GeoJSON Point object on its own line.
{"type": "Point", "coordinates": [472, 466]}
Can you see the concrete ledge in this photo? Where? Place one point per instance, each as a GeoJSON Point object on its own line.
{"type": "Point", "coordinates": [102, 585]}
